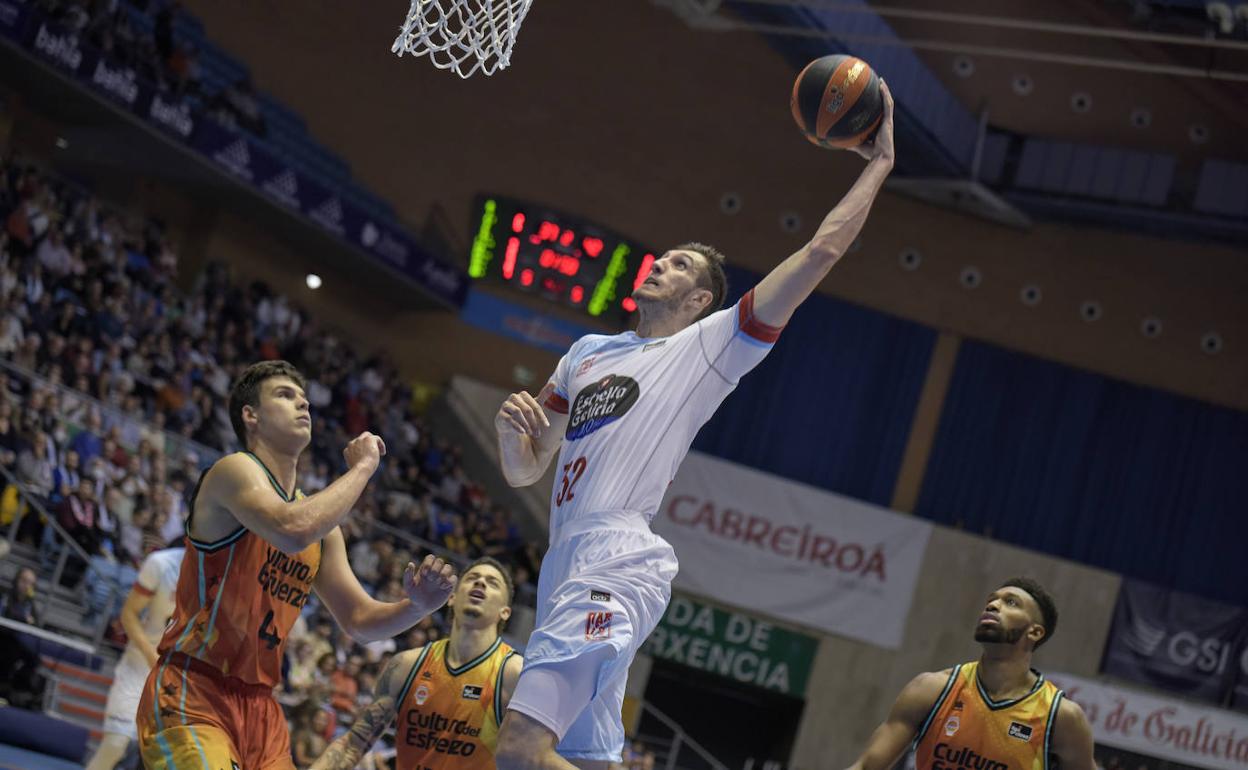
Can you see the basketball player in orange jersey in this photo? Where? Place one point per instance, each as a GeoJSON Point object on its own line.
{"type": "Point", "coordinates": [256, 548]}
{"type": "Point", "coordinates": [448, 696]}
{"type": "Point", "coordinates": [997, 713]}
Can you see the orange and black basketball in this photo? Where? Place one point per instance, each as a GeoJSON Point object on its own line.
{"type": "Point", "coordinates": [836, 101]}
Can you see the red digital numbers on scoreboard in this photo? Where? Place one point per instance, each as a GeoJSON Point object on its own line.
{"type": "Point", "coordinates": [558, 256]}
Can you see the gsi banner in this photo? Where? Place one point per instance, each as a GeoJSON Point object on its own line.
{"type": "Point", "coordinates": [761, 542]}
{"type": "Point", "coordinates": [1176, 641]}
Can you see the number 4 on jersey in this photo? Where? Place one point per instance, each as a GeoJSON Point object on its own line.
{"type": "Point", "coordinates": [267, 634]}
{"type": "Point", "coordinates": [571, 474]}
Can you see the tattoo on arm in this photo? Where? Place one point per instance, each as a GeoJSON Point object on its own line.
{"type": "Point", "coordinates": [345, 753]}
{"type": "Point", "coordinates": [385, 683]}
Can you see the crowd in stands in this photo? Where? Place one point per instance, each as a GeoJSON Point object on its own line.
{"type": "Point", "coordinates": [113, 393]}
{"type": "Point", "coordinates": [156, 53]}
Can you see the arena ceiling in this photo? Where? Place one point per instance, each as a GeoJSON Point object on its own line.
{"type": "Point", "coordinates": [1160, 77]}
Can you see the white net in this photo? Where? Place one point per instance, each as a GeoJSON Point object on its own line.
{"type": "Point", "coordinates": [465, 36]}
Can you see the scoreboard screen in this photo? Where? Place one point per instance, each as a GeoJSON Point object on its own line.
{"type": "Point", "coordinates": [558, 256]}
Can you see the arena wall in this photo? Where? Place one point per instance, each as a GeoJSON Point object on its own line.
{"type": "Point", "coordinates": [589, 79]}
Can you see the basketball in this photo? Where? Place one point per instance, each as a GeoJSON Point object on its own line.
{"type": "Point", "coordinates": [836, 101]}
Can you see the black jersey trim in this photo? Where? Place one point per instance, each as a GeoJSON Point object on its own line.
{"type": "Point", "coordinates": [453, 671]}
{"type": "Point", "coordinates": [217, 545]}
{"type": "Point", "coordinates": [272, 479]}
{"type": "Point", "coordinates": [1048, 725]}
{"type": "Point", "coordinates": [997, 705]}
{"type": "Point", "coordinates": [498, 689]}
{"type": "Point", "coordinates": [931, 715]}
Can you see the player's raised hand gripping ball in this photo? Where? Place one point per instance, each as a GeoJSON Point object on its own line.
{"type": "Point", "coordinates": [837, 102]}
{"type": "Point", "coordinates": [431, 584]}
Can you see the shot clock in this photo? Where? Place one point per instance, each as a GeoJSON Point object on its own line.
{"type": "Point", "coordinates": [561, 257]}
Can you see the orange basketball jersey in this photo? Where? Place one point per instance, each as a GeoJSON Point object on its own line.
{"type": "Point", "coordinates": [967, 730]}
{"type": "Point", "coordinates": [237, 599]}
{"type": "Point", "coordinates": [450, 716]}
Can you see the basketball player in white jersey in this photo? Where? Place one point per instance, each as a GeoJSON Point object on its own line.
{"type": "Point", "coordinates": [144, 616]}
{"type": "Point", "coordinates": [621, 412]}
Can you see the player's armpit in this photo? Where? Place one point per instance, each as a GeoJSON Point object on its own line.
{"type": "Point", "coordinates": [1072, 740]}
{"type": "Point", "coordinates": [890, 739]}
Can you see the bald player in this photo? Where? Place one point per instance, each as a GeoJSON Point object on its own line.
{"type": "Point", "coordinates": [256, 550]}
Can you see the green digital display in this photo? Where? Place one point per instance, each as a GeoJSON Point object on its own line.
{"type": "Point", "coordinates": [556, 255]}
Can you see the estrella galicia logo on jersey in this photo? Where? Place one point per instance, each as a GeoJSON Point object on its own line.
{"type": "Point", "coordinates": [471, 692]}
{"type": "Point", "coordinates": [952, 725]}
{"type": "Point", "coordinates": [422, 694]}
{"type": "Point", "coordinates": [601, 404]}
{"type": "Point", "coordinates": [599, 596]}
{"type": "Point", "coordinates": [1020, 731]}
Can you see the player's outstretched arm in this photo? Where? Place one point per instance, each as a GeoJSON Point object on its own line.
{"type": "Point", "coordinates": [529, 435]}
{"type": "Point", "coordinates": [890, 739]}
{"type": "Point", "coordinates": [240, 487]}
{"type": "Point", "coordinates": [793, 280]}
{"type": "Point", "coordinates": [1072, 737]}
{"type": "Point", "coordinates": [372, 720]}
{"type": "Point", "coordinates": [363, 617]}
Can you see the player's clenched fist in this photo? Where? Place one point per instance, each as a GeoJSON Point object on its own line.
{"type": "Point", "coordinates": [431, 584]}
{"type": "Point", "coordinates": [522, 413]}
{"type": "Point", "coordinates": [365, 448]}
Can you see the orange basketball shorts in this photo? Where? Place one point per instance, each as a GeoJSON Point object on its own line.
{"type": "Point", "coordinates": [192, 717]}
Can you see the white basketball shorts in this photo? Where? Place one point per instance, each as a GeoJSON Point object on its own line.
{"type": "Point", "coordinates": [604, 585]}
{"type": "Point", "coordinates": [123, 697]}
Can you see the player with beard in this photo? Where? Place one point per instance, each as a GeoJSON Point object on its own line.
{"type": "Point", "coordinates": [621, 412]}
{"type": "Point", "coordinates": [447, 697]}
{"type": "Point", "coordinates": [997, 713]}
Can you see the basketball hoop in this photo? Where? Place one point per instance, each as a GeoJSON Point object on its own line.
{"type": "Point", "coordinates": [463, 35]}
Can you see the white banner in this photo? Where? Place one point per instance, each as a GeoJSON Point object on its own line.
{"type": "Point", "coordinates": [1165, 728]}
{"type": "Point", "coordinates": [773, 546]}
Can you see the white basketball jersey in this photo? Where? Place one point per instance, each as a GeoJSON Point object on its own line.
{"type": "Point", "coordinates": [634, 405]}
{"type": "Point", "coordinates": [158, 577]}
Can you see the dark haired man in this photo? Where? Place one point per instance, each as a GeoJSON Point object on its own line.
{"type": "Point", "coordinates": [997, 712]}
{"type": "Point", "coordinates": [448, 696]}
{"type": "Point", "coordinates": [256, 548]}
{"type": "Point", "coordinates": [622, 411]}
